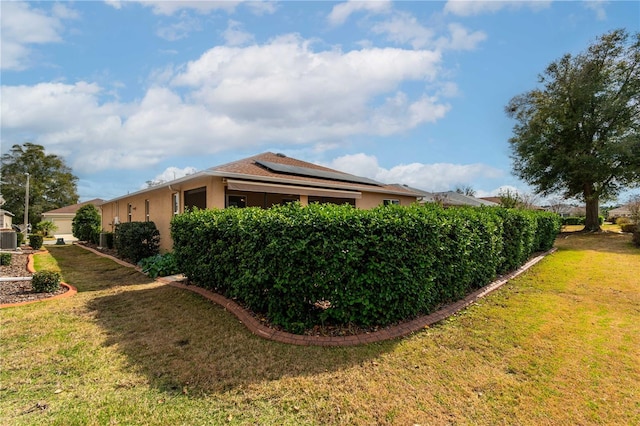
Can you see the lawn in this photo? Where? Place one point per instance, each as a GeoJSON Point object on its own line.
{"type": "Point", "coordinates": [558, 345]}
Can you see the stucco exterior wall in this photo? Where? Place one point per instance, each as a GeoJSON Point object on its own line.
{"type": "Point", "coordinates": [161, 204]}
{"type": "Point", "coordinates": [370, 200]}
{"type": "Point", "coordinates": [63, 222]}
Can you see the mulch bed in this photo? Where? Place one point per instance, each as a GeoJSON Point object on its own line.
{"type": "Point", "coordinates": [20, 291]}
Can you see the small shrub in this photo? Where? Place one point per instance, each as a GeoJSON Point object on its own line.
{"type": "Point", "coordinates": [35, 241]}
{"type": "Point", "coordinates": [5, 258]}
{"type": "Point", "coordinates": [623, 221]}
{"type": "Point", "coordinates": [573, 221]}
{"type": "Point", "coordinates": [45, 227]}
{"type": "Point", "coordinates": [137, 240]}
{"type": "Point", "coordinates": [160, 265]}
{"type": "Point", "coordinates": [20, 236]}
{"type": "Point", "coordinates": [46, 281]}
{"type": "Point", "coordinates": [629, 227]}
{"type": "Point", "coordinates": [636, 237]}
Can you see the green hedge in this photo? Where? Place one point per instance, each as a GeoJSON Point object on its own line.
{"type": "Point", "coordinates": [137, 240]}
{"type": "Point", "coordinates": [35, 241]}
{"type": "Point", "coordinates": [579, 220]}
{"type": "Point", "coordinates": [302, 266]}
{"type": "Point", "coordinates": [46, 281]}
{"type": "Point", "coordinates": [5, 258]}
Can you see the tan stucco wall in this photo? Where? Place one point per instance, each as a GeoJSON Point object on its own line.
{"type": "Point", "coordinates": [160, 206]}
{"type": "Point", "coordinates": [63, 222]}
{"type": "Point", "coordinates": [161, 211]}
{"type": "Point", "coordinates": [370, 200]}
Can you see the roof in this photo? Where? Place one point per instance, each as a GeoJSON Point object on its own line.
{"type": "Point", "coordinates": [6, 212]}
{"type": "Point", "coordinates": [496, 200]}
{"type": "Point", "coordinates": [72, 209]}
{"type": "Point", "coordinates": [626, 209]}
{"type": "Point", "coordinates": [278, 168]}
{"type": "Point", "coordinates": [453, 198]}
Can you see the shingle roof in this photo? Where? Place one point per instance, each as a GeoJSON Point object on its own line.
{"type": "Point", "coordinates": [455, 199]}
{"type": "Point", "coordinates": [74, 207]}
{"type": "Point", "coordinates": [251, 167]}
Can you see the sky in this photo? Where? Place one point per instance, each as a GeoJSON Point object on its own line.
{"type": "Point", "coordinates": [128, 92]}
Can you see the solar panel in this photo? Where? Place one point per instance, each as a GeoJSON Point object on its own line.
{"type": "Point", "coordinates": [322, 174]}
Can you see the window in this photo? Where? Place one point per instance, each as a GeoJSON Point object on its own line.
{"type": "Point", "coordinates": [176, 203]}
{"type": "Point", "coordinates": [129, 212]}
{"type": "Point", "coordinates": [196, 198]}
{"type": "Point", "coordinates": [236, 201]}
{"type": "Point", "coordinates": [146, 210]}
{"type": "Point", "coordinates": [389, 202]}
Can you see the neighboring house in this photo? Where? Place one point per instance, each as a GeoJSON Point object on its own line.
{"type": "Point", "coordinates": [453, 198]}
{"type": "Point", "coordinates": [261, 181]}
{"type": "Point", "coordinates": [622, 211]}
{"type": "Point", "coordinates": [6, 219]}
{"type": "Point", "coordinates": [577, 211]}
{"type": "Point", "coordinates": [63, 217]}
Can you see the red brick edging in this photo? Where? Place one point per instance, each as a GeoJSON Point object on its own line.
{"type": "Point", "coordinates": [71, 290]}
{"type": "Point", "coordinates": [388, 333]}
{"type": "Point", "coordinates": [392, 332]}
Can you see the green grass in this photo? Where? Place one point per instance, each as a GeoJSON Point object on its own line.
{"type": "Point", "coordinates": [559, 345]}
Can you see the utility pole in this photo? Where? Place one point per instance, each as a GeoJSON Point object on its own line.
{"type": "Point", "coordinates": [26, 207]}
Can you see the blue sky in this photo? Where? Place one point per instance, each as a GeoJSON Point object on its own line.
{"type": "Point", "coordinates": [402, 92]}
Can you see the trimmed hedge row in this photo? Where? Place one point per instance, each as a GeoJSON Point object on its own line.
{"type": "Point", "coordinates": [578, 220]}
{"type": "Point", "coordinates": [302, 266]}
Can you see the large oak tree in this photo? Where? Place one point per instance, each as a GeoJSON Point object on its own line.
{"type": "Point", "coordinates": [51, 183]}
{"type": "Point", "coordinates": [579, 133]}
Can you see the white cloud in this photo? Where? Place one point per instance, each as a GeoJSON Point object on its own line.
{"type": "Point", "coordinates": [235, 36]}
{"type": "Point", "coordinates": [478, 7]}
{"type": "Point", "coordinates": [180, 29]}
{"type": "Point", "coordinates": [598, 7]}
{"type": "Point", "coordinates": [229, 98]}
{"type": "Point", "coordinates": [404, 28]}
{"type": "Point", "coordinates": [171, 173]}
{"type": "Point", "coordinates": [164, 7]}
{"type": "Point", "coordinates": [429, 177]}
{"type": "Point", "coordinates": [461, 39]}
{"type": "Point", "coordinates": [341, 12]}
{"type": "Point", "coordinates": [24, 26]}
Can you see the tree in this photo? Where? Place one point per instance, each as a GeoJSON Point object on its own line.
{"type": "Point", "coordinates": [51, 183]}
{"type": "Point", "coordinates": [466, 190]}
{"type": "Point", "coordinates": [45, 227]}
{"type": "Point", "coordinates": [509, 199]}
{"type": "Point", "coordinates": [634, 208]}
{"type": "Point", "coordinates": [86, 224]}
{"type": "Point", "coordinates": [579, 134]}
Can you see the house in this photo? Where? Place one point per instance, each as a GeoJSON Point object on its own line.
{"type": "Point", "coordinates": [453, 198]}
{"type": "Point", "coordinates": [63, 217]}
{"type": "Point", "coordinates": [6, 219]}
{"type": "Point", "coordinates": [622, 211]}
{"type": "Point", "coordinates": [264, 180]}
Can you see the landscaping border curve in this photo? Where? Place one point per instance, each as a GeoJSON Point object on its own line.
{"type": "Point", "coordinates": [388, 333]}
{"type": "Point", "coordinates": [71, 290]}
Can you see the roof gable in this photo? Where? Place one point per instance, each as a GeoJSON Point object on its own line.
{"type": "Point", "coordinates": [72, 209]}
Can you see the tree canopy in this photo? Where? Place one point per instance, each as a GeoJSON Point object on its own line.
{"type": "Point", "coordinates": [579, 134]}
{"type": "Point", "coordinates": [86, 224]}
{"type": "Point", "coordinates": [51, 183]}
